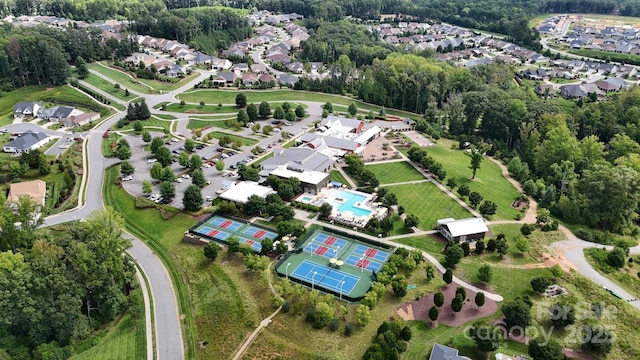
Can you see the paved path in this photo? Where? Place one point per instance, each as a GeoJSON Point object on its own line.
{"type": "Point", "coordinates": [147, 312]}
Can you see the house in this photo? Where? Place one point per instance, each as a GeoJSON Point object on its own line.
{"type": "Point", "coordinates": [572, 91]}
{"type": "Point", "coordinates": [26, 141]}
{"type": "Point", "coordinates": [258, 68]}
{"type": "Point", "coordinates": [545, 90]}
{"type": "Point", "coordinates": [177, 70]}
{"type": "Point", "coordinates": [266, 78]}
{"type": "Point", "coordinates": [220, 64]}
{"type": "Point", "coordinates": [296, 67]}
{"type": "Point", "coordinates": [36, 189]}
{"type": "Point", "coordinates": [240, 68]}
{"type": "Point", "coordinates": [533, 74]}
{"type": "Point", "coordinates": [225, 78]}
{"type": "Point", "coordinates": [26, 109]}
{"type": "Point", "coordinates": [470, 229]}
{"type": "Point", "coordinates": [201, 59]}
{"type": "Point", "coordinates": [310, 181]}
{"type": "Point", "coordinates": [611, 84]}
{"type": "Point", "coordinates": [58, 113]}
{"type": "Point", "coordinates": [79, 120]}
{"type": "Point", "coordinates": [441, 352]}
{"type": "Point", "coordinates": [287, 79]}
{"type": "Point", "coordinates": [278, 57]}
{"type": "Point", "coordinates": [300, 158]}
{"type": "Point", "coordinates": [240, 192]}
{"type": "Point", "coordinates": [342, 124]}
{"type": "Point", "coordinates": [250, 79]}
{"type": "Point", "coordinates": [316, 67]}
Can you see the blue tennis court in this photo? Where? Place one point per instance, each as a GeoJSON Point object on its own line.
{"type": "Point", "coordinates": [254, 245]}
{"type": "Point", "coordinates": [225, 223]}
{"type": "Point", "coordinates": [365, 251]}
{"type": "Point", "coordinates": [319, 249]}
{"type": "Point", "coordinates": [331, 240]}
{"type": "Point", "coordinates": [362, 263]}
{"type": "Point", "coordinates": [320, 275]}
{"type": "Point", "coordinates": [259, 233]}
{"type": "Point", "coordinates": [214, 233]}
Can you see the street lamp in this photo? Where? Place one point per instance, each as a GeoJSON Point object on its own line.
{"type": "Point", "coordinates": [361, 264]}
{"type": "Point", "coordinates": [313, 279]}
{"type": "Point", "coordinates": [286, 271]}
{"type": "Point", "coordinates": [342, 283]}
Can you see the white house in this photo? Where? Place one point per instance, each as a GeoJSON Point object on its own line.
{"type": "Point", "coordinates": [27, 141]}
{"type": "Point", "coordinates": [462, 230]}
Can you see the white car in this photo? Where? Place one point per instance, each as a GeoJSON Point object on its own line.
{"type": "Point", "coordinates": [174, 140]}
{"type": "Point", "coordinates": [69, 133]}
{"type": "Point", "coordinates": [127, 178]}
{"type": "Point", "coordinates": [178, 180]}
{"type": "Point", "coordinates": [64, 146]}
{"type": "Point", "coordinates": [206, 165]}
{"type": "Point", "coordinates": [151, 161]}
{"type": "Point", "coordinates": [186, 176]}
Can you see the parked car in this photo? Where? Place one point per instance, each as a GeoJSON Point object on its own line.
{"type": "Point", "coordinates": [287, 123]}
{"type": "Point", "coordinates": [127, 178]}
{"type": "Point", "coordinates": [176, 152]}
{"type": "Point", "coordinates": [151, 161]}
{"type": "Point", "coordinates": [178, 180]}
{"type": "Point", "coordinates": [69, 133]}
{"type": "Point", "coordinates": [69, 139]}
{"type": "Point", "coordinates": [201, 146]}
{"type": "Point", "coordinates": [174, 140]}
{"type": "Point", "coordinates": [64, 146]}
{"type": "Point", "coordinates": [4, 131]}
{"type": "Point", "coordinates": [276, 122]}
{"type": "Point", "coordinates": [186, 176]}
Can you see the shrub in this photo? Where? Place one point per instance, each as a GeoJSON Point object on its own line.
{"type": "Point", "coordinates": [144, 203]}
{"type": "Point", "coordinates": [348, 329]}
{"type": "Point", "coordinates": [334, 324]}
{"type": "Point", "coordinates": [527, 229]}
{"type": "Point", "coordinates": [463, 190]}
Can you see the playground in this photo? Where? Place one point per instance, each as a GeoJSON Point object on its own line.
{"type": "Point", "coordinates": [221, 229]}
{"type": "Point", "coordinates": [334, 263]}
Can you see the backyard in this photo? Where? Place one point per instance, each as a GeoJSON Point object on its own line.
{"type": "Point", "coordinates": [395, 172]}
{"type": "Point", "coordinates": [125, 80]}
{"type": "Point", "coordinates": [428, 203]}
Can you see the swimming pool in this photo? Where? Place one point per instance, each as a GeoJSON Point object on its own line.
{"type": "Point", "coordinates": [306, 199]}
{"type": "Point", "coordinates": [346, 201]}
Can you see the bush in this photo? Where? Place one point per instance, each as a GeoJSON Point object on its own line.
{"type": "Point", "coordinates": [348, 329]}
{"type": "Point", "coordinates": [527, 229]}
{"type": "Point", "coordinates": [144, 203]}
{"type": "Point", "coordinates": [334, 324]}
{"type": "Point", "coordinates": [463, 190]}
{"type": "Point", "coordinates": [452, 183]}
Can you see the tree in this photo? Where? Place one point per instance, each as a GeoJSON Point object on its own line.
{"type": "Point", "coordinates": [562, 314]}
{"type": "Point", "coordinates": [543, 216]}
{"type": "Point", "coordinates": [252, 112]}
{"type": "Point", "coordinates": [517, 313]}
{"type": "Point", "coordinates": [267, 129]}
{"type": "Point", "coordinates": [475, 198]}
{"type": "Point", "coordinates": [453, 255]}
{"type": "Point", "coordinates": [163, 155]}
{"type": "Point", "coordinates": [502, 246]}
{"type": "Point", "coordinates": [300, 112]}
{"type": "Point", "coordinates": [485, 273]}
{"type": "Point", "coordinates": [189, 145]}
{"type": "Point", "coordinates": [126, 168]}
{"type": "Point", "coordinates": [540, 284]}
{"type": "Point", "coordinates": [146, 136]}
{"type": "Point", "coordinates": [488, 208]}
{"type": "Point", "coordinates": [167, 191]}
{"type": "Point", "coordinates": [522, 244]}
{"type": "Point", "coordinates": [476, 159]}
{"type": "Point", "coordinates": [168, 175]}
{"type": "Point", "coordinates": [143, 110]}
{"type": "Point", "coordinates": [325, 210]}
{"type": "Point", "coordinates": [192, 199]}
{"type": "Point", "coordinates": [146, 187]}
{"type": "Point", "coordinates": [211, 251]}
{"type": "Point", "coordinates": [198, 179]}
{"type": "Point", "coordinates": [124, 150]}
{"type": "Point", "coordinates": [266, 246]}
{"type": "Point", "coordinates": [479, 247]}
{"type": "Point", "coordinates": [241, 100]}
{"type": "Point", "coordinates": [456, 303]}
{"type": "Point", "coordinates": [183, 159]}
{"type": "Point", "coordinates": [81, 67]}
{"type": "Point", "coordinates": [363, 315]}
{"type": "Point", "coordinates": [195, 162]}
{"type": "Point", "coordinates": [433, 313]}
{"type": "Point", "coordinates": [616, 257]}
{"type": "Point", "coordinates": [242, 117]}
{"type": "Point", "coordinates": [255, 205]}
{"type": "Point", "coordinates": [323, 314]}
{"type": "Point", "coordinates": [290, 116]}
{"type": "Point", "coordinates": [156, 143]}
{"type": "Point", "coordinates": [399, 285]}
{"type": "Point", "coordinates": [328, 107]}
{"type": "Point", "coordinates": [248, 173]}
{"type": "Point", "coordinates": [600, 340]}
{"type": "Point", "coordinates": [156, 171]}
{"type": "Point", "coordinates": [18, 222]}
{"type": "Point", "coordinates": [278, 113]}
{"type": "Point", "coordinates": [353, 109]}
{"type": "Point", "coordinates": [487, 337]}
{"type": "Point", "coordinates": [137, 126]}
{"type": "Point", "coordinates": [463, 190]}
{"type": "Point", "coordinates": [447, 276]}
{"type": "Point", "coordinates": [411, 221]}
{"type": "Point", "coordinates": [264, 110]}
{"type": "Point", "coordinates": [430, 272]}
{"type": "Point", "coordinates": [233, 245]}
{"type": "Point", "coordinates": [541, 350]}
{"type": "Point", "coordinates": [491, 245]}
{"type": "Point", "coordinates": [220, 165]}
{"type": "Point", "coordinates": [479, 299]}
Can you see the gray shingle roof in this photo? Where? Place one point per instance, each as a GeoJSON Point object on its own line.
{"type": "Point", "coordinates": [441, 352]}
{"type": "Point", "coordinates": [307, 159]}
{"type": "Point", "coordinates": [26, 140]}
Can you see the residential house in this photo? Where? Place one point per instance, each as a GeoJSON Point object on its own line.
{"type": "Point", "coordinates": [316, 67]}
{"type": "Point", "coordinates": [225, 78]}
{"type": "Point", "coordinates": [221, 64]}
{"type": "Point", "coordinates": [266, 78]}
{"type": "Point", "coordinates": [533, 74]}
{"type": "Point", "coordinates": [470, 229]}
{"type": "Point", "coordinates": [287, 79]}
{"type": "Point", "coordinates": [177, 70]}
{"type": "Point", "coordinates": [201, 59]}
{"type": "Point", "coordinates": [441, 352]}
{"type": "Point", "coordinates": [35, 189]}
{"type": "Point", "coordinates": [300, 158]}
{"type": "Point", "coordinates": [258, 68]}
{"type": "Point", "coordinates": [27, 141]}
{"type": "Point", "coordinates": [58, 113]}
{"type": "Point", "coordinates": [240, 68]}
{"type": "Point", "coordinates": [296, 67]}
{"type": "Point", "coordinates": [572, 91]}
{"type": "Point", "coordinates": [545, 90]}
{"type": "Point", "coordinates": [611, 84]}
{"type": "Point", "coordinates": [22, 110]}
{"type": "Point", "coordinates": [250, 79]}
{"type": "Point", "coordinates": [278, 57]}
{"type": "Point", "coordinates": [81, 119]}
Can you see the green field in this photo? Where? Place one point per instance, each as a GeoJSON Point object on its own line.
{"type": "Point", "coordinates": [427, 202]}
{"type": "Point", "coordinates": [124, 341]}
{"type": "Point", "coordinates": [164, 116]}
{"type": "Point", "coordinates": [229, 110]}
{"type": "Point", "coordinates": [244, 141]}
{"type": "Point", "coordinates": [125, 80]}
{"type": "Point", "coordinates": [229, 97]}
{"type": "Point", "coordinates": [108, 87]}
{"type": "Point", "coordinates": [489, 181]}
{"type": "Point", "coordinates": [337, 176]}
{"type": "Point", "coordinates": [395, 172]}
{"type": "Point", "coordinates": [166, 86]}
{"type": "Point", "coordinates": [199, 124]}
{"type": "Point", "coordinates": [150, 124]}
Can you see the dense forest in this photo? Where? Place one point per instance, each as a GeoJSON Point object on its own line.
{"type": "Point", "coordinates": [59, 286]}
{"type": "Point", "coordinates": [41, 55]}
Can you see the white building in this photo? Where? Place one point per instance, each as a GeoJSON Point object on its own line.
{"type": "Point", "coordinates": [241, 191]}
{"type": "Point", "coordinates": [470, 229]}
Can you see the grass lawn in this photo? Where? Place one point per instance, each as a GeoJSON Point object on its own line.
{"type": "Point", "coordinates": [125, 80]}
{"type": "Point", "coordinates": [124, 339]}
{"type": "Point", "coordinates": [424, 243]}
{"type": "Point", "coordinates": [200, 124]}
{"type": "Point", "coordinates": [241, 139]}
{"type": "Point", "coordinates": [197, 109]}
{"type": "Point", "coordinates": [395, 172]}
{"type": "Point", "coordinates": [164, 116]}
{"type": "Point", "coordinates": [427, 202]}
{"type": "Point", "coordinates": [108, 87]}
{"type": "Point", "coordinates": [626, 277]}
{"type": "Point", "coordinates": [166, 86]}
{"type": "Point", "coordinates": [151, 124]}
{"type": "Point", "coordinates": [489, 181]}
{"type": "Point", "coordinates": [538, 242]}
{"type": "Point", "coordinates": [257, 96]}
{"type": "Point", "coordinates": [337, 176]}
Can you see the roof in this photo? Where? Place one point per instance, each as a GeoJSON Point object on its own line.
{"type": "Point", "coordinates": [331, 141]}
{"type": "Point", "coordinates": [441, 352]}
{"type": "Point", "coordinates": [27, 140]}
{"type": "Point", "coordinates": [22, 106]}
{"type": "Point", "coordinates": [301, 158]}
{"type": "Point", "coordinates": [226, 76]}
{"type": "Point", "coordinates": [37, 189]}
{"type": "Point", "coordinates": [241, 191]}
{"type": "Point", "coordinates": [306, 176]}
{"type": "Point", "coordinates": [368, 134]}
{"type": "Point", "coordinates": [344, 121]}
{"type": "Point", "coordinates": [464, 226]}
